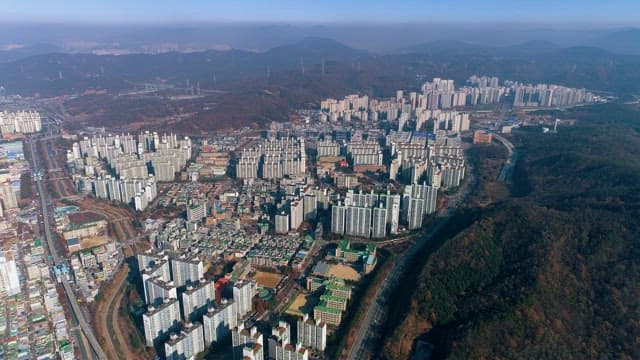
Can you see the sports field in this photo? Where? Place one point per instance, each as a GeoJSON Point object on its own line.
{"type": "Point", "coordinates": [267, 279]}
{"type": "Point", "coordinates": [344, 272]}
{"type": "Point", "coordinates": [299, 302]}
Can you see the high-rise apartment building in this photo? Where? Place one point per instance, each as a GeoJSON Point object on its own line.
{"type": "Point", "coordinates": [379, 222]}
{"type": "Point", "coordinates": [156, 290]}
{"type": "Point", "coordinates": [338, 218]}
{"type": "Point", "coordinates": [159, 320]}
{"type": "Point", "coordinates": [197, 298]}
{"type": "Point", "coordinates": [243, 293]}
{"type": "Point", "coordinates": [242, 338]}
{"type": "Point", "coordinates": [24, 122]}
{"type": "Point", "coordinates": [297, 213]}
{"type": "Point", "coordinates": [358, 221]}
{"type": "Point", "coordinates": [282, 222]}
{"type": "Point", "coordinates": [312, 333]}
{"type": "Point", "coordinates": [219, 321]}
{"type": "Point", "coordinates": [186, 344]}
{"type": "Point", "coordinates": [328, 148]}
{"type": "Point", "coordinates": [186, 270]}
{"type": "Point", "coordinates": [420, 200]}
{"type": "Point", "coordinates": [310, 202]}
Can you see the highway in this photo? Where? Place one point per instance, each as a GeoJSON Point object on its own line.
{"type": "Point", "coordinates": [507, 168]}
{"type": "Point", "coordinates": [77, 313]}
{"type": "Point", "coordinates": [376, 312]}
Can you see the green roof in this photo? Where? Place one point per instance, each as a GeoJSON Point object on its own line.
{"type": "Point", "coordinates": [322, 307]}
{"type": "Point", "coordinates": [331, 286]}
{"type": "Point", "coordinates": [329, 297]}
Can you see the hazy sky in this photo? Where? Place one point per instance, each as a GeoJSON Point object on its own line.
{"type": "Point", "coordinates": [560, 12]}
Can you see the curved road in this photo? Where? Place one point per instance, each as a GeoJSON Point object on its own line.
{"type": "Point", "coordinates": [507, 169]}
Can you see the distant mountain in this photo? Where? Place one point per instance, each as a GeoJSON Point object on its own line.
{"type": "Point", "coordinates": [18, 53]}
{"type": "Point", "coordinates": [621, 42]}
{"type": "Point", "coordinates": [306, 53]}
{"type": "Point", "coordinates": [591, 52]}
{"type": "Point", "coordinates": [532, 47]}
{"type": "Point", "coordinates": [52, 74]}
{"type": "Point", "coordinates": [446, 46]}
{"type": "Point", "coordinates": [316, 46]}
{"type": "Point", "coordinates": [535, 61]}
{"type": "Point", "coordinates": [454, 47]}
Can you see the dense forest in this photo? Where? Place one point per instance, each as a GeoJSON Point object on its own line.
{"type": "Point", "coordinates": [551, 271]}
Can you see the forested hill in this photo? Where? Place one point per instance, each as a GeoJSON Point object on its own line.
{"type": "Point", "coordinates": [552, 272]}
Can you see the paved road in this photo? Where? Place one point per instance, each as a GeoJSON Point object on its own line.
{"type": "Point", "coordinates": [507, 168]}
{"type": "Point", "coordinates": [86, 329]}
{"type": "Point", "coordinates": [376, 312]}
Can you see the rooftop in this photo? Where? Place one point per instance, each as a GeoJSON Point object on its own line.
{"type": "Point", "coordinates": [322, 306]}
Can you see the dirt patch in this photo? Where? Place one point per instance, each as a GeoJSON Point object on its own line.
{"type": "Point", "coordinates": [344, 272]}
{"type": "Point", "coordinates": [267, 279]}
{"type": "Point", "coordinates": [298, 303]}
{"type": "Point", "coordinates": [115, 329]}
{"type": "Point", "coordinates": [91, 242]}
{"type": "Point", "coordinates": [101, 312]}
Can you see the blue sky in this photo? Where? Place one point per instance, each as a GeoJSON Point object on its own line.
{"type": "Point", "coordinates": [560, 12]}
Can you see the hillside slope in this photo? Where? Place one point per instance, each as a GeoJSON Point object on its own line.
{"type": "Point", "coordinates": [551, 273]}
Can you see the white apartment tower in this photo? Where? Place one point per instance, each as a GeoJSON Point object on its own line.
{"type": "Point", "coordinates": [186, 270]}
{"type": "Point", "coordinates": [243, 293]}
{"type": "Point", "coordinates": [219, 321]}
{"type": "Point", "coordinates": [187, 344]}
{"type": "Point", "coordinates": [196, 297]}
{"type": "Point", "coordinates": [312, 333]}
{"type": "Point", "coordinates": [159, 320]}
